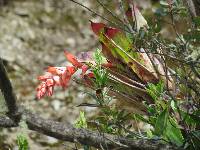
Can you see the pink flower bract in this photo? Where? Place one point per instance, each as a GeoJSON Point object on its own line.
{"type": "Point", "coordinates": [59, 76]}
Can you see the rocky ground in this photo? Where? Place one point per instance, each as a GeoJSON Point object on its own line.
{"type": "Point", "coordinates": [33, 35]}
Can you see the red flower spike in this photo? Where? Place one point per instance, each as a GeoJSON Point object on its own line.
{"type": "Point", "coordinates": [56, 70]}
{"type": "Point", "coordinates": [41, 90]}
{"type": "Point", "coordinates": [57, 80]}
{"type": "Point", "coordinates": [44, 77]}
{"type": "Point", "coordinates": [70, 70]}
{"type": "Point", "coordinates": [49, 82]}
{"type": "Point", "coordinates": [60, 76]}
{"type": "Point", "coordinates": [50, 91]}
{"type": "Point", "coordinates": [72, 59]}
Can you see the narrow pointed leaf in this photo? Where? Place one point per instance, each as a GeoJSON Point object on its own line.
{"type": "Point", "coordinates": [132, 59]}
{"type": "Point", "coordinates": [161, 122]}
{"type": "Point", "coordinates": [117, 47]}
{"type": "Point", "coordinates": [173, 132]}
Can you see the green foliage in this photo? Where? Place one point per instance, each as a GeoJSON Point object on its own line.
{"type": "Point", "coordinates": [161, 122]}
{"type": "Point", "coordinates": [173, 132]}
{"type": "Point", "coordinates": [113, 121]}
{"type": "Point", "coordinates": [197, 21]}
{"type": "Point", "coordinates": [22, 142]}
{"type": "Point", "coordinates": [120, 50]}
{"type": "Point", "coordinates": [81, 122]}
{"type": "Point", "coordinates": [194, 139]}
{"type": "Point", "coordinates": [156, 91]}
{"type": "Point", "coordinates": [99, 72]}
{"type": "Point", "coordinates": [98, 57]}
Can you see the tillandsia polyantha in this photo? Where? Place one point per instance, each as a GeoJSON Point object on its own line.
{"type": "Point", "coordinates": [134, 71]}
{"type": "Point", "coordinates": [129, 69]}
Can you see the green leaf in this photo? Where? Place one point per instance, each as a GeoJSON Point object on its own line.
{"type": "Point", "coordinates": [119, 49]}
{"type": "Point", "coordinates": [22, 142]}
{"type": "Point", "coordinates": [173, 132]}
{"type": "Point", "coordinates": [197, 112]}
{"type": "Point", "coordinates": [152, 120]}
{"type": "Point", "coordinates": [99, 58]}
{"type": "Point", "coordinates": [173, 105]}
{"type": "Point", "coordinates": [197, 21]}
{"type": "Point", "coordinates": [161, 122]}
{"type": "Point", "coordinates": [149, 133]}
{"type": "Point", "coordinates": [164, 3]}
{"type": "Point", "coordinates": [99, 72]}
{"type": "Point", "coordinates": [194, 35]}
{"type": "Point", "coordinates": [195, 139]}
{"type": "Point", "coordinates": [81, 121]}
{"type": "Point", "coordinates": [86, 147]}
{"type": "Point", "coordinates": [155, 90]}
{"type": "Point", "coordinates": [141, 118]}
{"type": "Point", "coordinates": [160, 12]}
{"type": "Point", "coordinates": [191, 119]}
{"type": "Point", "coordinates": [158, 27]}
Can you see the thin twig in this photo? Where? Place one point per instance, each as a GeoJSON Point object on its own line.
{"type": "Point", "coordinates": [97, 14]}
{"type": "Point", "coordinates": [110, 12]}
{"type": "Point", "coordinates": [134, 13]}
{"type": "Point", "coordinates": [125, 17]}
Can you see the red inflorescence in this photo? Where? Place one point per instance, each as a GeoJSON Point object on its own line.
{"type": "Point", "coordinates": [60, 76]}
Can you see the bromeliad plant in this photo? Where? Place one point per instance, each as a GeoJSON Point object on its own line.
{"type": "Point", "coordinates": [133, 68]}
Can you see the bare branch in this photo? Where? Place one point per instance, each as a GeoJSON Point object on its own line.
{"type": "Point", "coordinates": [67, 132]}
{"type": "Point", "coordinates": [193, 7]}
{"type": "Point", "coordinates": [6, 122]}
{"type": "Point", "coordinates": [7, 90]}
{"type": "Point", "coordinates": [197, 6]}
